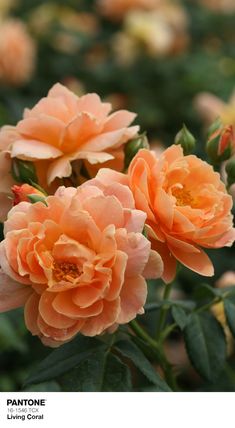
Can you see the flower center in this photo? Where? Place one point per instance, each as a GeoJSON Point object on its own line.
{"type": "Point", "coordinates": [65, 271]}
{"type": "Point", "coordinates": [183, 197]}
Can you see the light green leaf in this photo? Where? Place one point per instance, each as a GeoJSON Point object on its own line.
{"type": "Point", "coordinates": [37, 198]}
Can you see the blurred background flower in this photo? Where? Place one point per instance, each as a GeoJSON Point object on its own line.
{"type": "Point", "coordinates": [17, 53]}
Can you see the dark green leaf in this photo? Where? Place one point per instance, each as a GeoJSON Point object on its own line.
{"type": "Point", "coordinates": [205, 291]}
{"type": "Point", "coordinates": [229, 308]}
{"type": "Point", "coordinates": [186, 304]}
{"type": "Point", "coordinates": [9, 337]}
{"type": "Point", "coordinates": [180, 316]}
{"type": "Point", "coordinates": [23, 171]}
{"type": "Point", "coordinates": [116, 375]}
{"type": "Point", "coordinates": [129, 350]}
{"type": "Point", "coordinates": [64, 358]}
{"type": "Point", "coordinates": [99, 372]}
{"type": "Point", "coordinates": [205, 344]}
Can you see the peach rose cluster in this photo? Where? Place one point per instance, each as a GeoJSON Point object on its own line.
{"type": "Point", "coordinates": [78, 261]}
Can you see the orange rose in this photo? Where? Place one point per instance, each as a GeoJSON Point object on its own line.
{"type": "Point", "coordinates": [187, 207]}
{"type": "Point", "coordinates": [78, 263]}
{"type": "Point", "coordinates": [63, 127]}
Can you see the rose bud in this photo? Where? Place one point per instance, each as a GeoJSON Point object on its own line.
{"type": "Point", "coordinates": [186, 140]}
{"type": "Point", "coordinates": [221, 141]}
{"type": "Point", "coordinates": [26, 193]}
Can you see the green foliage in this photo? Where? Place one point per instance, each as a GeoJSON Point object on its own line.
{"type": "Point", "coordinates": [101, 371]}
{"type": "Point", "coordinates": [64, 358]}
{"type": "Point", "coordinates": [10, 337]}
{"type": "Point", "coordinates": [132, 352]}
{"type": "Point", "coordinates": [205, 344]}
{"type": "Point", "coordinates": [180, 316]}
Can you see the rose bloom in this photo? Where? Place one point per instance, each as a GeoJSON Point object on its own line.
{"type": "Point", "coordinates": [117, 9]}
{"type": "Point", "coordinates": [17, 53]}
{"type": "Point", "coordinates": [77, 263]}
{"type": "Point", "coordinates": [187, 208]}
{"type": "Point", "coordinates": [63, 127]}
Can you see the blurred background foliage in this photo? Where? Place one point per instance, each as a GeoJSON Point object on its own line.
{"type": "Point", "coordinates": [136, 63]}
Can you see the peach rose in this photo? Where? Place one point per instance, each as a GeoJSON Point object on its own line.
{"type": "Point", "coordinates": [117, 9]}
{"type": "Point", "coordinates": [62, 128]}
{"type": "Point", "coordinates": [17, 53]}
{"type": "Point", "coordinates": [78, 263]}
{"type": "Point", "coordinates": [187, 207]}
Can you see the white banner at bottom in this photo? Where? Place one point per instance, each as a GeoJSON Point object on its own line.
{"type": "Point", "coordinates": [116, 410]}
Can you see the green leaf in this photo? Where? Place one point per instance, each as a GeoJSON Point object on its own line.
{"type": "Point", "coordinates": [36, 198]}
{"type": "Point", "coordinates": [99, 372]}
{"type": "Point", "coordinates": [129, 350]}
{"type": "Point", "coordinates": [51, 386]}
{"type": "Point", "coordinates": [23, 171]}
{"type": "Point", "coordinates": [9, 336]}
{"type": "Point", "coordinates": [205, 291]}
{"type": "Point", "coordinates": [65, 358]}
{"type": "Point", "coordinates": [180, 316]}
{"type": "Point", "coordinates": [205, 344]}
{"type": "Point", "coordinates": [117, 375]}
{"type": "Point", "coordinates": [186, 304]}
{"type": "Point", "coordinates": [229, 308]}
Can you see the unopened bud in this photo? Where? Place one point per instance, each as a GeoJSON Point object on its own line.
{"type": "Point", "coordinates": [221, 142]}
{"type": "Point", "coordinates": [133, 146]}
{"type": "Point", "coordinates": [186, 140]}
{"type": "Point", "coordinates": [26, 193]}
{"type": "Point", "coordinates": [23, 171]}
{"type": "Point", "coordinates": [230, 169]}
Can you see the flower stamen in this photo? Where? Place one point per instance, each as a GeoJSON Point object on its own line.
{"type": "Point", "coordinates": [65, 271]}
